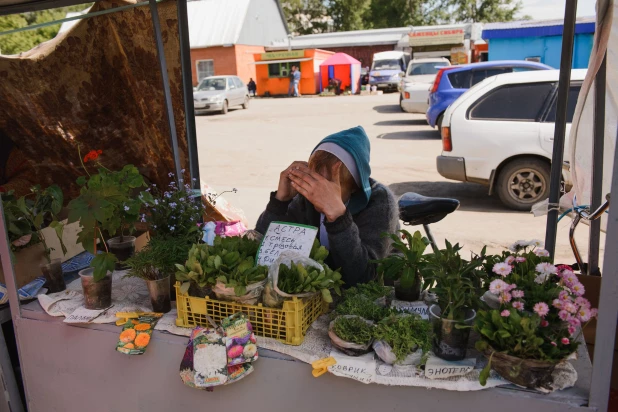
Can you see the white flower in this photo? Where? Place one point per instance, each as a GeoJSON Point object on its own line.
{"type": "Point", "coordinates": [536, 243]}
{"type": "Point", "coordinates": [517, 246]}
{"type": "Point", "coordinates": [540, 279]}
{"type": "Point", "coordinates": [126, 208]}
{"type": "Point", "coordinates": [498, 286]}
{"type": "Point", "coordinates": [502, 269]}
{"type": "Point", "coordinates": [546, 268]}
{"type": "Point", "coordinates": [541, 252]}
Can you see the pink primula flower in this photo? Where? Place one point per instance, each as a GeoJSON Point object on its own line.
{"type": "Point", "coordinates": [570, 279]}
{"type": "Point", "coordinates": [583, 314]}
{"type": "Point", "coordinates": [518, 305]}
{"type": "Point", "coordinates": [544, 323]}
{"type": "Point", "coordinates": [541, 252]}
{"type": "Point", "coordinates": [572, 330]}
{"type": "Point", "coordinates": [593, 313]}
{"type": "Point", "coordinates": [553, 343]}
{"type": "Point", "coordinates": [503, 269]}
{"type": "Point", "coordinates": [505, 313]}
{"type": "Point", "coordinates": [564, 295]}
{"type": "Point", "coordinates": [518, 294]}
{"type": "Point", "coordinates": [498, 286]}
{"type": "Point", "coordinates": [541, 309]}
{"type": "Point", "coordinates": [557, 303]}
{"type": "Point", "coordinates": [546, 268]}
{"type": "Point", "coordinates": [570, 307]}
{"type": "Point", "coordinates": [582, 302]}
{"type": "Point", "coordinates": [565, 341]}
{"type": "Point", "coordinates": [520, 259]}
{"type": "Point", "coordinates": [509, 260]}
{"type": "Point", "coordinates": [564, 315]}
{"type": "Point", "coordinates": [573, 321]}
{"type": "Point", "coordinates": [578, 289]}
{"type": "Point", "coordinates": [505, 297]}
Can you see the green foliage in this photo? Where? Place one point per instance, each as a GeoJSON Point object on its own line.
{"type": "Point", "coordinates": [318, 253]}
{"type": "Point", "coordinates": [26, 40]}
{"type": "Point", "coordinates": [364, 307]}
{"type": "Point", "coordinates": [158, 259]}
{"type": "Point", "coordinates": [483, 11]}
{"type": "Point", "coordinates": [401, 13]}
{"type": "Point", "coordinates": [405, 266]}
{"type": "Point", "coordinates": [300, 279]}
{"type": "Point", "coordinates": [456, 281]}
{"type": "Point", "coordinates": [348, 14]}
{"type": "Point", "coordinates": [353, 329]}
{"type": "Point", "coordinates": [230, 260]}
{"type": "Point", "coordinates": [372, 290]}
{"type": "Point", "coordinates": [103, 263]}
{"type": "Point", "coordinates": [305, 16]}
{"type": "Point", "coordinates": [405, 334]}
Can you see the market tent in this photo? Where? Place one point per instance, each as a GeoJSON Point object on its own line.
{"type": "Point", "coordinates": [343, 67]}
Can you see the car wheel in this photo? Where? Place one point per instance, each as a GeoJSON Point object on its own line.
{"type": "Point", "coordinates": [523, 182]}
{"type": "Point", "coordinates": [400, 102]}
{"type": "Point", "coordinates": [439, 123]}
{"type": "Point", "coordinates": [224, 108]}
{"type": "Point", "coordinates": [245, 105]}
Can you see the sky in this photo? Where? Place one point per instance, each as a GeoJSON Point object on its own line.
{"type": "Point", "coordinates": [554, 9]}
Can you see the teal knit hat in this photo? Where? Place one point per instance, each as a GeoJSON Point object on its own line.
{"type": "Point", "coordinates": [356, 143]}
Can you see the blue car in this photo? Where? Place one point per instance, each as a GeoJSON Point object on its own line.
{"type": "Point", "coordinates": [453, 81]}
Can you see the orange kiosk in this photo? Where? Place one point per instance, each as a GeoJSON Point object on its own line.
{"type": "Point", "coordinates": [273, 68]}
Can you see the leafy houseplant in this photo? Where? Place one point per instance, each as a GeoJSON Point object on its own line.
{"type": "Point", "coordinates": [457, 284]}
{"type": "Point", "coordinates": [404, 268]}
{"type": "Point", "coordinates": [405, 335]}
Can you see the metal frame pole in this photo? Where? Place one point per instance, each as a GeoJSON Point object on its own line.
{"type": "Point", "coordinates": [566, 59]}
{"type": "Point", "coordinates": [169, 109]}
{"type": "Point", "coordinates": [608, 309]}
{"type": "Point", "coordinates": [596, 197]}
{"type": "Point", "coordinates": [187, 83]}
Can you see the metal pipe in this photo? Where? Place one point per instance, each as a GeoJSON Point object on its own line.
{"type": "Point", "coordinates": [608, 309]}
{"type": "Point", "coordinates": [598, 144]}
{"type": "Point", "coordinates": [187, 83]}
{"type": "Point", "coordinates": [566, 58]}
{"type": "Point", "coordinates": [169, 109]}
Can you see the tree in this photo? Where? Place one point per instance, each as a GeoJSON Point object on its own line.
{"type": "Point", "coordinates": [348, 14]}
{"type": "Point", "coordinates": [306, 16]}
{"type": "Point", "coordinates": [401, 13]}
{"type": "Point", "coordinates": [483, 11]}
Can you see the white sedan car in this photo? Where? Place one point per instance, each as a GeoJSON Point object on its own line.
{"type": "Point", "coordinates": [415, 85]}
{"type": "Point", "coordinates": [500, 134]}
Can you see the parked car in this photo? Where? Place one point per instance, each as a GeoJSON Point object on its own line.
{"type": "Point", "coordinates": [414, 86]}
{"type": "Point", "coordinates": [386, 69]}
{"type": "Point", "coordinates": [500, 134]}
{"type": "Point", "coordinates": [219, 93]}
{"type": "Point", "coordinates": [451, 82]}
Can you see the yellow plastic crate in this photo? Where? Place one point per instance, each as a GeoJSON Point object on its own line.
{"type": "Point", "coordinates": [288, 324]}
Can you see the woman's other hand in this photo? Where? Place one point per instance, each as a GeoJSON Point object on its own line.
{"type": "Point", "coordinates": [285, 191]}
{"type": "Point", "coordinates": [323, 194]}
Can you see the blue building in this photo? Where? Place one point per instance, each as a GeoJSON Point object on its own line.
{"type": "Point", "coordinates": [539, 40]}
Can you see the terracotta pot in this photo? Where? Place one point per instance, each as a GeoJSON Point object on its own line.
{"type": "Point", "coordinates": [160, 294]}
{"type": "Point", "coordinates": [97, 295]}
{"type": "Point", "coordinates": [450, 343]}
{"type": "Point", "coordinates": [123, 248]}
{"type": "Point", "coordinates": [530, 373]}
{"type": "Point", "coordinates": [411, 294]}
{"type": "Point", "coordinates": [53, 276]}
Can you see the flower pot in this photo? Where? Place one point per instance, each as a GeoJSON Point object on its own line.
{"type": "Point", "coordinates": [530, 373]}
{"type": "Point", "coordinates": [411, 294]}
{"type": "Point", "coordinates": [450, 342]}
{"type": "Point", "coordinates": [54, 279]}
{"type": "Point", "coordinates": [123, 248]}
{"type": "Point", "coordinates": [160, 294]}
{"type": "Point", "coordinates": [97, 295]}
{"type": "Point", "coordinates": [199, 292]}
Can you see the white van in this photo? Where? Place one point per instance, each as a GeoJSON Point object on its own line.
{"type": "Point", "coordinates": [387, 69]}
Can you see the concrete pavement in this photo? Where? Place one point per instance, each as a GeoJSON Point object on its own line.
{"type": "Point", "coordinates": [247, 149]}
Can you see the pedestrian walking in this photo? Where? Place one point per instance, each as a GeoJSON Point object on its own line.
{"type": "Point", "coordinates": [291, 78]}
{"type": "Point", "coordinates": [252, 87]}
{"type": "Point", "coordinates": [296, 81]}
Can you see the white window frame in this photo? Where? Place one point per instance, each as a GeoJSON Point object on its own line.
{"type": "Point", "coordinates": [197, 69]}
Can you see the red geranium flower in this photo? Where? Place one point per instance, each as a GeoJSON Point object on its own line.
{"type": "Point", "coordinates": [92, 155]}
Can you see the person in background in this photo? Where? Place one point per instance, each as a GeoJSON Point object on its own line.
{"type": "Point", "coordinates": [296, 81]}
{"type": "Point", "coordinates": [335, 84]}
{"type": "Point", "coordinates": [291, 78]}
{"type": "Point", "coordinates": [334, 192]}
{"type": "Point", "coordinates": [252, 87]}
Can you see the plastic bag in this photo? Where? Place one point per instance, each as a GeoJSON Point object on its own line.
{"type": "Point", "coordinates": [349, 348]}
{"type": "Point", "coordinates": [385, 352]}
{"type": "Point", "coordinates": [230, 228]}
{"type": "Point", "coordinates": [273, 297]}
{"type": "Point", "coordinates": [254, 291]}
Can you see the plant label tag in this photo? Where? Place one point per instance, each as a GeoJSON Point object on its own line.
{"type": "Point", "coordinates": [285, 236]}
{"type": "Point", "coordinates": [83, 315]}
{"type": "Point", "coordinates": [418, 307]}
{"type": "Point", "coordinates": [361, 368]}
{"type": "Point", "coordinates": [437, 368]}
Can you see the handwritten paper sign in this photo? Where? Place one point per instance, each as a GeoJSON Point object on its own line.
{"type": "Point", "coordinates": [361, 368]}
{"type": "Point", "coordinates": [437, 368]}
{"type": "Point", "coordinates": [281, 237]}
{"type": "Point", "coordinates": [418, 307]}
{"type": "Point", "coordinates": [83, 315]}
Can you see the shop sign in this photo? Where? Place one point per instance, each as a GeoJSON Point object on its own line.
{"type": "Point", "coordinates": [459, 55]}
{"type": "Point", "coordinates": [436, 37]}
{"type": "Point", "coordinates": [281, 237]}
{"type": "Point", "coordinates": [293, 54]}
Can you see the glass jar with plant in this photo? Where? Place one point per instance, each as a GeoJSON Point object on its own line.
{"type": "Point", "coordinates": [403, 339]}
{"type": "Point", "coordinates": [457, 284]}
{"type": "Point", "coordinates": [27, 217]}
{"type": "Point", "coordinates": [107, 202]}
{"type": "Point", "coordinates": [155, 263]}
{"type": "Point", "coordinates": [538, 323]}
{"type": "Point", "coordinates": [404, 268]}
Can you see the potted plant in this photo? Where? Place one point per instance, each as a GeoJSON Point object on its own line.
{"type": "Point", "coordinates": [351, 334]}
{"type": "Point", "coordinates": [404, 267]}
{"type": "Point", "coordinates": [26, 218]}
{"type": "Point", "coordinates": [105, 203]}
{"type": "Point", "coordinates": [456, 283]}
{"type": "Point", "coordinates": [155, 264]}
{"type": "Point", "coordinates": [537, 324]}
{"type": "Point", "coordinates": [403, 339]}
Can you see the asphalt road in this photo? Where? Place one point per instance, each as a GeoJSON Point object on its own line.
{"type": "Point", "coordinates": [247, 149]}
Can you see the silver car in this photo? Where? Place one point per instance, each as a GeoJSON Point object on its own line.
{"type": "Point", "coordinates": [219, 93]}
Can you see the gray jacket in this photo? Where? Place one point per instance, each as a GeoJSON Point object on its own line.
{"type": "Point", "coordinates": [354, 240]}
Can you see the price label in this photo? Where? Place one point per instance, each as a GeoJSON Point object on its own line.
{"type": "Point", "coordinates": [362, 368]}
{"type": "Point", "coordinates": [281, 237]}
{"type": "Point", "coordinates": [419, 307]}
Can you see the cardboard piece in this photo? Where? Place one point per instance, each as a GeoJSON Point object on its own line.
{"type": "Point", "coordinates": [285, 236]}
{"type": "Point", "coordinates": [418, 307]}
{"type": "Point", "coordinates": [437, 368]}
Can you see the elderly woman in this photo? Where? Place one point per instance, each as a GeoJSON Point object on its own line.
{"type": "Point", "coordinates": [334, 192]}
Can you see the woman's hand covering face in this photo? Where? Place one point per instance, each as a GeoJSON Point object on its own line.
{"type": "Point", "coordinates": [323, 194]}
{"type": "Point", "coordinates": [285, 191]}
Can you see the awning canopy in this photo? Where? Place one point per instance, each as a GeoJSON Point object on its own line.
{"type": "Point", "coordinates": [283, 60]}
{"type": "Point", "coordinates": [340, 58]}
